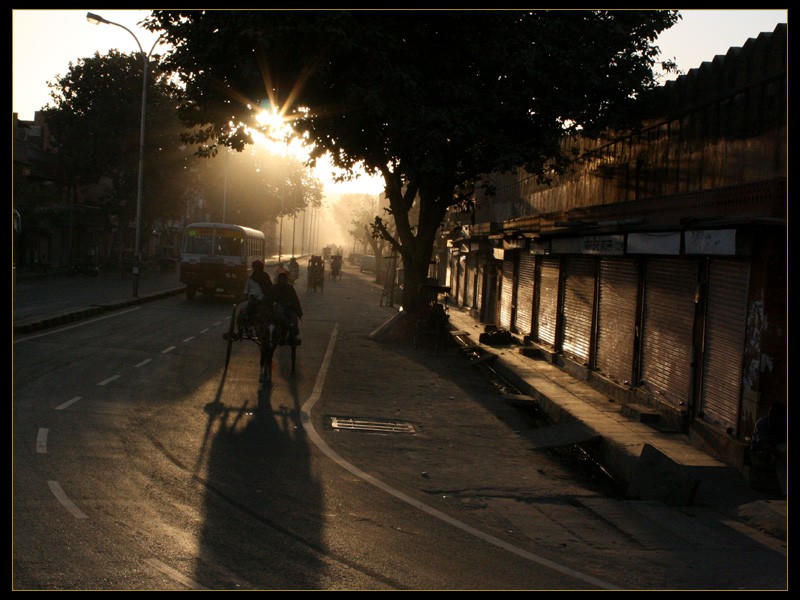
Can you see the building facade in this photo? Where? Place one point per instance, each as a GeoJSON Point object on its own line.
{"type": "Point", "coordinates": [656, 268]}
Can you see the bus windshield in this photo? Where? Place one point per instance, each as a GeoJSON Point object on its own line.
{"type": "Point", "coordinates": [213, 242]}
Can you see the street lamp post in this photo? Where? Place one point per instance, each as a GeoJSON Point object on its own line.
{"type": "Point", "coordinates": [294, 222]}
{"type": "Point", "coordinates": [96, 19]}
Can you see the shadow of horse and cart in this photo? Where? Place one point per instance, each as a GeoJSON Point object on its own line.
{"type": "Point", "coordinates": [269, 330]}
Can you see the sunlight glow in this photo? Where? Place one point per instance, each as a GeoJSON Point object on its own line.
{"type": "Point", "coordinates": [276, 134]}
{"type": "Point", "coordinates": [272, 121]}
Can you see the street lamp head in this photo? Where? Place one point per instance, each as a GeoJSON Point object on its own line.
{"type": "Point", "coordinates": [95, 19]}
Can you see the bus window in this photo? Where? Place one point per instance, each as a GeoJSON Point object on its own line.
{"type": "Point", "coordinates": [198, 241]}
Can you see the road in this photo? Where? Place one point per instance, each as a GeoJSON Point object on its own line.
{"type": "Point", "coordinates": [142, 463]}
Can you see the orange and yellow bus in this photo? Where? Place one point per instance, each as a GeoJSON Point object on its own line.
{"type": "Point", "coordinates": [216, 258]}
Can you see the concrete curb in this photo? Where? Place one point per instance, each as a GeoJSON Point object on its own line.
{"type": "Point", "coordinates": [76, 314]}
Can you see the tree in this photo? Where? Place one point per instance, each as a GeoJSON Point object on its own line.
{"type": "Point", "coordinates": [258, 185]}
{"type": "Point", "coordinates": [354, 213]}
{"type": "Point", "coordinates": [431, 100]}
{"type": "Point", "coordinates": [95, 123]}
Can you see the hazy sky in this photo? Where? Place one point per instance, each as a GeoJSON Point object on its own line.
{"type": "Point", "coordinates": [44, 41]}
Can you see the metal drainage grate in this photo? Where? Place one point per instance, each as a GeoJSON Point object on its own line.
{"type": "Point", "coordinates": [374, 425]}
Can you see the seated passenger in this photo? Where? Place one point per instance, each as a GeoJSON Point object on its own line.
{"type": "Point", "coordinates": [287, 304]}
{"type": "Point", "coordinates": [258, 286]}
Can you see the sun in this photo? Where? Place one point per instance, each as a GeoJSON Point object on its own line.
{"type": "Point", "coordinates": [276, 134]}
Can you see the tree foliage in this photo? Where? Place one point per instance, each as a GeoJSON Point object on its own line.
{"type": "Point", "coordinates": [259, 185]}
{"type": "Point", "coordinates": [430, 99]}
{"type": "Point", "coordinates": [95, 120]}
{"type": "Point", "coordinates": [95, 123]}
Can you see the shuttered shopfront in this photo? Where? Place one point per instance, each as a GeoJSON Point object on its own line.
{"type": "Point", "coordinates": [726, 316]}
{"type": "Point", "coordinates": [669, 309]}
{"type": "Point", "coordinates": [460, 279]}
{"type": "Point", "coordinates": [525, 288]}
{"type": "Point", "coordinates": [480, 273]}
{"type": "Point", "coordinates": [548, 301]}
{"type": "Point", "coordinates": [469, 280]}
{"type": "Point", "coordinates": [507, 291]}
{"type": "Point", "coordinates": [579, 284]}
{"type": "Point", "coordinates": [616, 325]}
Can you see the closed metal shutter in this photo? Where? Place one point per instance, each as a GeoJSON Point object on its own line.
{"type": "Point", "coordinates": [723, 349]}
{"type": "Point", "coordinates": [527, 271]}
{"type": "Point", "coordinates": [459, 291]}
{"type": "Point", "coordinates": [548, 301]}
{"type": "Point", "coordinates": [480, 273]}
{"type": "Point", "coordinates": [465, 281]}
{"type": "Point", "coordinates": [489, 295]}
{"type": "Point", "coordinates": [579, 276]}
{"type": "Point", "coordinates": [670, 286]}
{"type": "Point", "coordinates": [470, 280]}
{"type": "Point", "coordinates": [616, 319]}
{"type": "Point", "coordinates": [507, 293]}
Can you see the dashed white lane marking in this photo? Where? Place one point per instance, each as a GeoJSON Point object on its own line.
{"type": "Point", "coordinates": [41, 440]}
{"type": "Point", "coordinates": [68, 403]}
{"type": "Point", "coordinates": [189, 339]}
{"type": "Point", "coordinates": [170, 572]}
{"type": "Point", "coordinates": [57, 490]}
{"type": "Point", "coordinates": [66, 502]}
{"type": "Point", "coordinates": [305, 417]}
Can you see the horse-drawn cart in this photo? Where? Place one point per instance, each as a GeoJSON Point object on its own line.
{"type": "Point", "coordinates": [266, 330]}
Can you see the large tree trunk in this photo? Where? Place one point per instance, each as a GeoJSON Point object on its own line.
{"type": "Point", "coordinates": [418, 249]}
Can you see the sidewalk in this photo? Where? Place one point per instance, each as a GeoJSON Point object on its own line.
{"type": "Point", "coordinates": [651, 465]}
{"type": "Point", "coordinates": [88, 296]}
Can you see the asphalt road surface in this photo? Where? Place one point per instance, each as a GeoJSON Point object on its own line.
{"type": "Point", "coordinates": [143, 462]}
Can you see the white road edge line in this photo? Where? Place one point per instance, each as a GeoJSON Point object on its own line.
{"type": "Point", "coordinates": [305, 418]}
{"type": "Point", "coordinates": [170, 572]}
